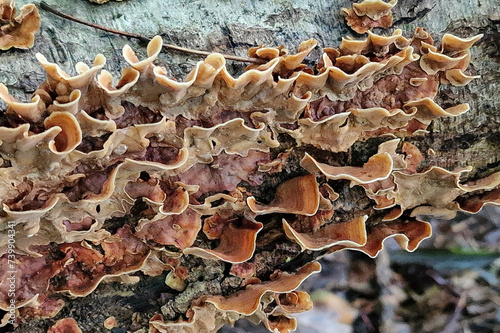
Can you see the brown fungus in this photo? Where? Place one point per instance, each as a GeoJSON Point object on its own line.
{"type": "Point", "coordinates": [299, 195]}
{"type": "Point", "coordinates": [352, 233]}
{"type": "Point", "coordinates": [69, 137]}
{"type": "Point", "coordinates": [247, 301]}
{"type": "Point", "coordinates": [408, 234]}
{"type": "Point", "coordinates": [29, 111]}
{"type": "Point", "coordinates": [18, 30]}
{"type": "Point", "coordinates": [65, 325]}
{"type": "Point", "coordinates": [369, 14]}
{"type": "Point", "coordinates": [293, 302]}
{"type": "Point", "coordinates": [172, 157]}
{"type": "Point", "coordinates": [378, 167]}
{"type": "Point", "coordinates": [237, 242]}
{"type": "Point", "coordinates": [200, 318]}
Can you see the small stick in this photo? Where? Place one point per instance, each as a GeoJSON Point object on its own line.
{"type": "Point", "coordinates": [46, 7]}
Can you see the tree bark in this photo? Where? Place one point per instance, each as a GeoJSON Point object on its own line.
{"type": "Point", "coordinates": [472, 139]}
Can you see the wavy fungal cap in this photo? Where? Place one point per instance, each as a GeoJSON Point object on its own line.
{"type": "Point", "coordinates": [369, 14]}
{"type": "Point", "coordinates": [18, 30]}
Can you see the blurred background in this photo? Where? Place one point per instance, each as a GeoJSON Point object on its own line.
{"type": "Point", "coordinates": [449, 284]}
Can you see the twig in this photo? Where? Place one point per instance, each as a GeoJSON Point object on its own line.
{"type": "Point", "coordinates": [46, 7]}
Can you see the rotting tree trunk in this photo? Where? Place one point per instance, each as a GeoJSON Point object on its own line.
{"type": "Point", "coordinates": [232, 27]}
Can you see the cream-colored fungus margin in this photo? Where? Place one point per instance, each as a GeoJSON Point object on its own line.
{"type": "Point", "coordinates": [378, 167]}
{"type": "Point", "coordinates": [351, 233]}
{"type": "Point", "coordinates": [375, 43]}
{"type": "Point", "coordinates": [408, 234]}
{"type": "Point", "coordinates": [232, 137]}
{"type": "Point", "coordinates": [374, 9]}
{"type": "Point", "coordinates": [29, 111]}
{"type": "Point", "coordinates": [451, 59]}
{"type": "Point", "coordinates": [339, 132]}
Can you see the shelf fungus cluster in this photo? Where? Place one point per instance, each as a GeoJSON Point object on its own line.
{"type": "Point", "coordinates": [18, 30]}
{"type": "Point", "coordinates": [369, 14]}
{"type": "Point", "coordinates": [117, 179]}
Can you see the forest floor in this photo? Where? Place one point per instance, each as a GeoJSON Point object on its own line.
{"type": "Point", "coordinates": [450, 284]}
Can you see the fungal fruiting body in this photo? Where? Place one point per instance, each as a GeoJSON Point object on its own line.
{"type": "Point", "coordinates": [369, 14]}
{"type": "Point", "coordinates": [186, 167]}
{"type": "Point", "coordinates": [18, 30]}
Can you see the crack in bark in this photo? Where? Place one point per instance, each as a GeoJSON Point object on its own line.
{"type": "Point", "coordinates": [409, 19]}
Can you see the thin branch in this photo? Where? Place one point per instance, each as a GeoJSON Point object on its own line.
{"type": "Point", "coordinates": [46, 7]}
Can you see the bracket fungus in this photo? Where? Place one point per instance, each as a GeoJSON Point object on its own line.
{"type": "Point", "coordinates": [18, 30]}
{"type": "Point", "coordinates": [65, 325]}
{"type": "Point", "coordinates": [198, 171]}
{"type": "Point", "coordinates": [369, 14]}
